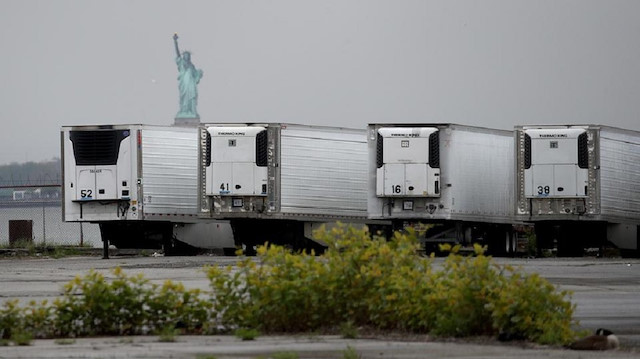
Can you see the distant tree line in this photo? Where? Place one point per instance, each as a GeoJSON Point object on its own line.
{"type": "Point", "coordinates": [31, 173]}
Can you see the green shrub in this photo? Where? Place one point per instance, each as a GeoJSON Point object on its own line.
{"type": "Point", "coordinates": [21, 338]}
{"type": "Point", "coordinates": [167, 334]}
{"type": "Point", "coordinates": [65, 341]}
{"type": "Point", "coordinates": [285, 355]}
{"type": "Point", "coordinates": [94, 305]}
{"type": "Point", "coordinates": [11, 319]}
{"type": "Point", "coordinates": [38, 319]}
{"type": "Point", "coordinates": [173, 305]}
{"type": "Point", "coordinates": [205, 356]}
{"type": "Point", "coordinates": [360, 281]}
{"type": "Point", "coordinates": [529, 306]}
{"type": "Point", "coordinates": [127, 305]}
{"type": "Point", "coordinates": [247, 334]}
{"type": "Point", "coordinates": [348, 330]}
{"type": "Point", "coordinates": [61, 252]}
{"type": "Point", "coordinates": [385, 284]}
{"type": "Point", "coordinates": [350, 353]}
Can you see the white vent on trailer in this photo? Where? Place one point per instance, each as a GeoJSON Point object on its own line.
{"type": "Point", "coordinates": [408, 162]}
{"type": "Point", "coordinates": [556, 162]}
{"type": "Point", "coordinates": [102, 164]}
{"type": "Point", "coordinates": [238, 161]}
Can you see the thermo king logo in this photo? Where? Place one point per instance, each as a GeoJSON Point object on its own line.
{"type": "Point", "coordinates": [231, 133]}
{"type": "Point", "coordinates": [553, 135]}
{"type": "Point", "coordinates": [405, 135]}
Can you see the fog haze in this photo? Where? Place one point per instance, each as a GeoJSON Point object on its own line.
{"type": "Point", "coordinates": [332, 62]}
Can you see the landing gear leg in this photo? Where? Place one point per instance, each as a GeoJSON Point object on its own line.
{"type": "Point", "coordinates": [105, 249]}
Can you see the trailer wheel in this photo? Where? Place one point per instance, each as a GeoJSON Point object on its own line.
{"type": "Point", "coordinates": [500, 241]}
{"type": "Point", "coordinates": [509, 242]}
{"type": "Point", "coordinates": [250, 250]}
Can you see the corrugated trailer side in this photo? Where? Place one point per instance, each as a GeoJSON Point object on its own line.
{"type": "Point", "coordinates": [477, 174]}
{"type": "Point", "coordinates": [620, 175]}
{"type": "Point", "coordinates": [169, 165]}
{"type": "Point", "coordinates": [323, 171]}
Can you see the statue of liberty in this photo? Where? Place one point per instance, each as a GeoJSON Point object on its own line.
{"type": "Point", "coordinates": [188, 79]}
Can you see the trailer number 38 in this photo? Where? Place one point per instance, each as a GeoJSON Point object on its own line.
{"type": "Point", "coordinates": [543, 190]}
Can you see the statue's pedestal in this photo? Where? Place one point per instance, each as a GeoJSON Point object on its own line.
{"type": "Point", "coordinates": [195, 121]}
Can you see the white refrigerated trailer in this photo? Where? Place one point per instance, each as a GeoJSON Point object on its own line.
{"type": "Point", "coordinates": [579, 185]}
{"type": "Point", "coordinates": [457, 177]}
{"type": "Point", "coordinates": [276, 181]}
{"type": "Point", "coordinates": [140, 184]}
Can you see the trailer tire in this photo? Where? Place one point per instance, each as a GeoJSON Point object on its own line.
{"type": "Point", "coordinates": [500, 241]}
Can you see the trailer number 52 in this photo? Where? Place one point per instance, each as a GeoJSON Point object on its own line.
{"type": "Point", "coordinates": [86, 193]}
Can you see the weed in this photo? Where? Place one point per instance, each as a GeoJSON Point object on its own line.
{"type": "Point", "coordinates": [21, 338]}
{"type": "Point", "coordinates": [532, 243]}
{"type": "Point", "coordinates": [167, 334]}
{"type": "Point", "coordinates": [4, 342]}
{"type": "Point", "coordinates": [348, 330]}
{"type": "Point", "coordinates": [20, 243]}
{"type": "Point", "coordinates": [370, 281]}
{"type": "Point", "coordinates": [247, 334]}
{"type": "Point", "coordinates": [11, 319]}
{"type": "Point", "coordinates": [37, 319]}
{"type": "Point", "coordinates": [362, 280]}
{"type": "Point", "coordinates": [350, 353]}
{"type": "Point", "coordinates": [61, 252]}
{"type": "Point", "coordinates": [53, 250]}
{"type": "Point", "coordinates": [285, 355]}
{"type": "Point", "coordinates": [205, 356]}
{"type": "Point", "coordinates": [65, 341]}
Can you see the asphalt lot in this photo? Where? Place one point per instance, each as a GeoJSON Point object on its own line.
{"type": "Point", "coordinates": [606, 292]}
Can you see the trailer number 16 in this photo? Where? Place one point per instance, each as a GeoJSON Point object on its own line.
{"type": "Point", "coordinates": [543, 190]}
{"type": "Point", "coordinates": [396, 189]}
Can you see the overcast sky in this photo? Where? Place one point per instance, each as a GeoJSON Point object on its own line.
{"type": "Point", "coordinates": [332, 62]}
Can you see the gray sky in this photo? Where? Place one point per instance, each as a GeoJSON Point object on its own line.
{"type": "Point", "coordinates": [332, 62]}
